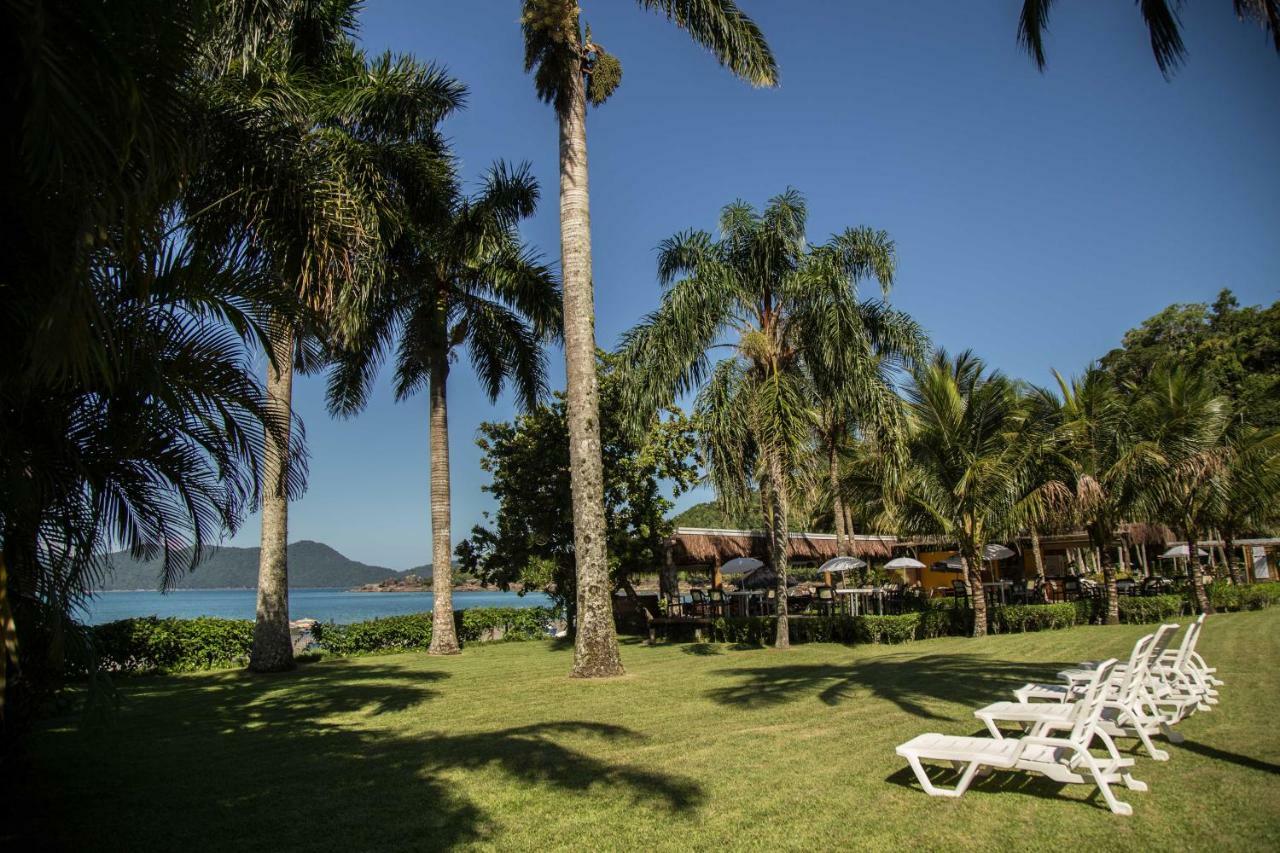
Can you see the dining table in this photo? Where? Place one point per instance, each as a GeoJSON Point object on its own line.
{"type": "Point", "coordinates": [855, 594]}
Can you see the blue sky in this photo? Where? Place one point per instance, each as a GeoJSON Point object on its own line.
{"type": "Point", "coordinates": [1037, 216]}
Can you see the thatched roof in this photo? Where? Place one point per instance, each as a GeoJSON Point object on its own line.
{"type": "Point", "coordinates": [705, 546]}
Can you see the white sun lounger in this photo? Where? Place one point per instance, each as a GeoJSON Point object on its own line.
{"type": "Point", "coordinates": [1125, 711]}
{"type": "Point", "coordinates": [1064, 759]}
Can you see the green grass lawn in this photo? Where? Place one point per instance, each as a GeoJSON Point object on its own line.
{"type": "Point", "coordinates": [699, 745]}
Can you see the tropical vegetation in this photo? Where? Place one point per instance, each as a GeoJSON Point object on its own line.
{"type": "Point", "coordinates": [796, 332]}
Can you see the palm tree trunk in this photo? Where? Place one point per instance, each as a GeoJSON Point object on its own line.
{"type": "Point", "coordinates": [1193, 575]}
{"type": "Point", "coordinates": [595, 653]}
{"type": "Point", "coordinates": [444, 637]}
{"type": "Point", "coordinates": [272, 644]}
{"type": "Point", "coordinates": [971, 556]}
{"type": "Point", "coordinates": [1228, 548]}
{"type": "Point", "coordinates": [1037, 555]}
{"type": "Point", "coordinates": [1113, 594]}
{"type": "Point", "coordinates": [837, 503]}
{"type": "Point", "coordinates": [779, 548]}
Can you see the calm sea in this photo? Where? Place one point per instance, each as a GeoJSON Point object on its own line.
{"type": "Point", "coordinates": [327, 605]}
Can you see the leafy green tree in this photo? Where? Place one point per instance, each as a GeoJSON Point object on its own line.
{"type": "Point", "coordinates": [787, 313]}
{"type": "Point", "coordinates": [569, 69]}
{"type": "Point", "coordinates": [969, 465]}
{"type": "Point", "coordinates": [1163, 27]}
{"type": "Point", "coordinates": [317, 153]}
{"type": "Point", "coordinates": [531, 539]}
{"type": "Point", "coordinates": [462, 279]}
{"type": "Point", "coordinates": [1237, 349]}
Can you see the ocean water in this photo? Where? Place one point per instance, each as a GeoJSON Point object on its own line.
{"type": "Point", "coordinates": [327, 605]}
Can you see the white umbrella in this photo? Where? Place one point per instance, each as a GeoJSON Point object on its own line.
{"type": "Point", "coordinates": [842, 564]}
{"type": "Point", "coordinates": [996, 552]}
{"type": "Point", "coordinates": [904, 563]}
{"type": "Point", "coordinates": [1181, 551]}
{"type": "Point", "coordinates": [740, 566]}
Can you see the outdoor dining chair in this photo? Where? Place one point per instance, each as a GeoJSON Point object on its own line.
{"type": "Point", "coordinates": [1126, 586]}
{"type": "Point", "coordinates": [717, 604]}
{"type": "Point", "coordinates": [960, 592]}
{"type": "Point", "coordinates": [697, 603]}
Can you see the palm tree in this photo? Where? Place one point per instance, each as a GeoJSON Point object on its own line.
{"type": "Point", "coordinates": [1105, 463]}
{"type": "Point", "coordinates": [461, 279]}
{"type": "Point", "coordinates": [853, 372]}
{"type": "Point", "coordinates": [969, 466]}
{"type": "Point", "coordinates": [778, 306]}
{"type": "Point", "coordinates": [1163, 26]}
{"type": "Point", "coordinates": [569, 69]}
{"type": "Point", "coordinates": [1249, 482]}
{"type": "Point", "coordinates": [315, 151]}
{"type": "Point", "coordinates": [1185, 422]}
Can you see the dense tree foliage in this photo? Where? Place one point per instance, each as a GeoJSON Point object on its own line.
{"type": "Point", "coordinates": [530, 538]}
{"type": "Point", "coordinates": [1236, 349]}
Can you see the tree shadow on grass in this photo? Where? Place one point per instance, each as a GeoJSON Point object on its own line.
{"type": "Point", "coordinates": [317, 758]}
{"type": "Point", "coordinates": [702, 649]}
{"type": "Point", "coordinates": [909, 681]}
{"type": "Point", "coordinates": [1232, 757]}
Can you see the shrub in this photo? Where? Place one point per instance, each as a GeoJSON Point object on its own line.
{"type": "Point", "coordinates": [1226, 596]}
{"type": "Point", "coordinates": [152, 644]}
{"type": "Point", "coordinates": [1012, 618]}
{"type": "Point", "coordinates": [1150, 608]}
{"type": "Point", "coordinates": [413, 631]}
{"type": "Point", "coordinates": [504, 623]}
{"type": "Point", "coordinates": [888, 629]}
{"type": "Point", "coordinates": [389, 634]}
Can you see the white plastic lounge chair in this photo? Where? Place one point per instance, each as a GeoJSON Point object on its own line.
{"type": "Point", "coordinates": [1148, 649]}
{"type": "Point", "coordinates": [1126, 711]}
{"type": "Point", "coordinates": [1064, 759]}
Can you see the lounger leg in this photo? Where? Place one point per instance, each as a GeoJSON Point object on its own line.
{"type": "Point", "coordinates": [932, 789]}
{"type": "Point", "coordinates": [1168, 732]}
{"type": "Point", "coordinates": [992, 727]}
{"type": "Point", "coordinates": [1100, 778]}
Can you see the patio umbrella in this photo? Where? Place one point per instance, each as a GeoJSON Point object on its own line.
{"type": "Point", "coordinates": [996, 552]}
{"type": "Point", "coordinates": [842, 564]}
{"type": "Point", "coordinates": [1181, 551]}
{"type": "Point", "coordinates": [764, 578]}
{"type": "Point", "coordinates": [904, 563]}
{"type": "Point", "coordinates": [741, 566]}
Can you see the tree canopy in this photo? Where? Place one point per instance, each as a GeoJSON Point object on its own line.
{"type": "Point", "coordinates": [1237, 349]}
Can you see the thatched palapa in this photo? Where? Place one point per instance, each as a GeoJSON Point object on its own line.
{"type": "Point", "coordinates": [705, 546]}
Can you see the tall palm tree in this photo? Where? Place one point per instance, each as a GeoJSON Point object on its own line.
{"type": "Point", "coordinates": [570, 68]}
{"type": "Point", "coordinates": [1163, 27]}
{"type": "Point", "coordinates": [461, 279]}
{"type": "Point", "coordinates": [314, 151]}
{"type": "Point", "coordinates": [969, 468]}
{"type": "Point", "coordinates": [1249, 482]}
{"type": "Point", "coordinates": [1185, 422]}
{"type": "Point", "coordinates": [778, 306]}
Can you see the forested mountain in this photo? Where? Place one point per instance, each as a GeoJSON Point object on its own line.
{"type": "Point", "coordinates": [311, 564]}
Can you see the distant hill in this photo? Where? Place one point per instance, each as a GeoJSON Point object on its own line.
{"type": "Point", "coordinates": [709, 514]}
{"type": "Point", "coordinates": [311, 564]}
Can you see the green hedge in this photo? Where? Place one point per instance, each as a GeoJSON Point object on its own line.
{"type": "Point", "coordinates": [1014, 618]}
{"type": "Point", "coordinates": [152, 644]}
{"type": "Point", "coordinates": [402, 633]}
{"type": "Point", "coordinates": [1225, 596]}
{"type": "Point", "coordinates": [172, 645]}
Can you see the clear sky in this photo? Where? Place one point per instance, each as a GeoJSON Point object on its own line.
{"type": "Point", "coordinates": [1037, 216]}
